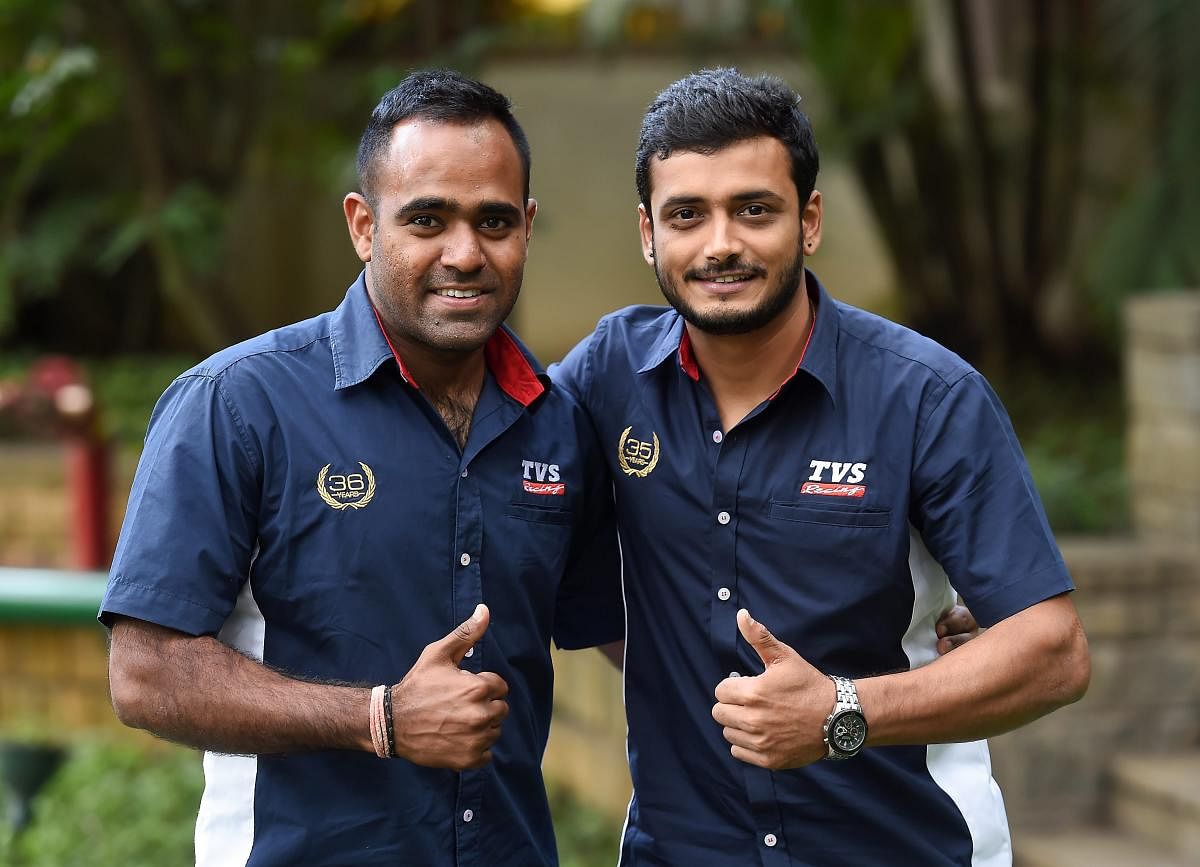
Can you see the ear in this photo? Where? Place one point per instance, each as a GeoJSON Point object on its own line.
{"type": "Point", "coordinates": [810, 223]}
{"type": "Point", "coordinates": [530, 213]}
{"type": "Point", "coordinates": [361, 223]}
{"type": "Point", "coordinates": [646, 228]}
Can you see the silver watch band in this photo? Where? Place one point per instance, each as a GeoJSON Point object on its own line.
{"type": "Point", "coordinates": [847, 695]}
{"type": "Point", "coordinates": [846, 700]}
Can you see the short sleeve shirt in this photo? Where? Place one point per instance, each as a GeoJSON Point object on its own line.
{"type": "Point", "coordinates": [301, 499]}
{"type": "Point", "coordinates": [845, 512]}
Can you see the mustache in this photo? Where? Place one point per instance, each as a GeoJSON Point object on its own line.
{"type": "Point", "coordinates": [452, 278]}
{"type": "Point", "coordinates": [725, 269]}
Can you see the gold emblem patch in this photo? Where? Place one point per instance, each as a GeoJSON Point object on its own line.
{"type": "Point", "coordinates": [348, 491]}
{"type": "Point", "coordinates": [637, 457]}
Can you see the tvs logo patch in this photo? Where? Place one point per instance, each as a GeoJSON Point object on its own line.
{"type": "Point", "coordinates": [833, 490]}
{"type": "Point", "coordinates": [843, 481]}
{"type": "Point", "coordinates": [543, 479]}
{"type": "Point", "coordinates": [637, 457]}
{"type": "Point", "coordinates": [346, 491]}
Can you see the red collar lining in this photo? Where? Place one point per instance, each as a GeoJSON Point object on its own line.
{"type": "Point", "coordinates": [396, 355]}
{"type": "Point", "coordinates": [687, 356]}
{"type": "Point", "coordinates": [514, 374]}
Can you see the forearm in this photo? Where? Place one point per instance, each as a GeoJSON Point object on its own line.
{"type": "Point", "coordinates": [1022, 668]}
{"type": "Point", "coordinates": [199, 692]}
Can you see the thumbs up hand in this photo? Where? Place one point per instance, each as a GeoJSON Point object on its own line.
{"type": "Point", "coordinates": [443, 716]}
{"type": "Point", "coordinates": [774, 720]}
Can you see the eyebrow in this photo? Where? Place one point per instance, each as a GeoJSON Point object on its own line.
{"type": "Point", "coordinates": [453, 206]}
{"type": "Point", "coordinates": [429, 203]}
{"type": "Point", "coordinates": [500, 209]}
{"type": "Point", "coordinates": [695, 199]}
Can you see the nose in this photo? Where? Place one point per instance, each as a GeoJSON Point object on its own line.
{"type": "Point", "coordinates": [723, 241]}
{"type": "Point", "coordinates": [462, 250]}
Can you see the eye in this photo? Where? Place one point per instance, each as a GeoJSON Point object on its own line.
{"type": "Point", "coordinates": [755, 210]}
{"type": "Point", "coordinates": [494, 224]}
{"type": "Point", "coordinates": [424, 221]}
{"type": "Point", "coordinates": [685, 215]}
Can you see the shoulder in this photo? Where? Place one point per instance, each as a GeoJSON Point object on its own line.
{"type": "Point", "coordinates": [632, 335]}
{"type": "Point", "coordinates": [262, 355]}
{"type": "Point", "coordinates": [638, 322]}
{"type": "Point", "coordinates": [869, 339]}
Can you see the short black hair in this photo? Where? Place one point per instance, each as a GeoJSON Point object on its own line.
{"type": "Point", "coordinates": [441, 95]}
{"type": "Point", "coordinates": [714, 108]}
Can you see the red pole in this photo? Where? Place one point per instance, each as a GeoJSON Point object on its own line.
{"type": "Point", "coordinates": [87, 483]}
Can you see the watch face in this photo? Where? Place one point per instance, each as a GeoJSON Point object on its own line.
{"type": "Point", "coordinates": [848, 732]}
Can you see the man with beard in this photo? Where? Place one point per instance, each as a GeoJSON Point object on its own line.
{"type": "Point", "coordinates": [780, 454]}
{"type": "Point", "coordinates": [353, 538]}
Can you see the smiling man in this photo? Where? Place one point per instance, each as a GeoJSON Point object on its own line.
{"type": "Point", "coordinates": [350, 541]}
{"type": "Point", "coordinates": [778, 452]}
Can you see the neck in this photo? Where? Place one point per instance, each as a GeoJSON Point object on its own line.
{"type": "Point", "coordinates": [442, 372]}
{"type": "Point", "coordinates": [743, 370]}
{"type": "Point", "coordinates": [450, 381]}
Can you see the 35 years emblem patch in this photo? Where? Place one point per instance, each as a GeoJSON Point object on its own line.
{"type": "Point", "coordinates": [346, 490]}
{"type": "Point", "coordinates": [638, 457]}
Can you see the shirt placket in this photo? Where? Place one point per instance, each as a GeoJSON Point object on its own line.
{"type": "Point", "coordinates": [727, 478]}
{"type": "Point", "coordinates": [468, 593]}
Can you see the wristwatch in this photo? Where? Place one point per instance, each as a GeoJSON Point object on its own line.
{"type": "Point", "coordinates": [845, 728]}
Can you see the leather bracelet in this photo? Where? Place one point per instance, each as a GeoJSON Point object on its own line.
{"type": "Point", "coordinates": [387, 716]}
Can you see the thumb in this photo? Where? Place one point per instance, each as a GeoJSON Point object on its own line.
{"type": "Point", "coordinates": [464, 636]}
{"type": "Point", "coordinates": [769, 648]}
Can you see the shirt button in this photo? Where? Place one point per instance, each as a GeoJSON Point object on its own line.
{"type": "Point", "coordinates": [468, 815]}
{"type": "Point", "coordinates": [470, 651]}
{"type": "Point", "coordinates": [722, 517]}
{"type": "Point", "coordinates": [723, 594]}
{"type": "Point", "coordinates": [770, 839]}
{"type": "Point", "coordinates": [465, 559]}
{"type": "Point", "coordinates": [718, 436]}
{"type": "Point", "coordinates": [463, 474]}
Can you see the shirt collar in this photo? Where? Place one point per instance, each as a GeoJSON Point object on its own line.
{"type": "Point", "coordinates": [357, 342]}
{"type": "Point", "coordinates": [819, 358]}
{"type": "Point", "coordinates": [360, 346]}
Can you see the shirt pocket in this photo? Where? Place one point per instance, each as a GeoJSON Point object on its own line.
{"type": "Point", "coordinates": [538, 514]}
{"type": "Point", "coordinates": [831, 517]}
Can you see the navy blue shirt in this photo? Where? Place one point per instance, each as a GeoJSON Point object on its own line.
{"type": "Point", "coordinates": [299, 497]}
{"type": "Point", "coordinates": [844, 513]}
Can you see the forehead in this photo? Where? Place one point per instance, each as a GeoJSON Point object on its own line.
{"type": "Point", "coordinates": [470, 162]}
{"type": "Point", "coordinates": [760, 163]}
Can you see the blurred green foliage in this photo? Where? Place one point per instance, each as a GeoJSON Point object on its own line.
{"type": "Point", "coordinates": [113, 805]}
{"type": "Point", "coordinates": [1028, 165]}
{"type": "Point", "coordinates": [1073, 435]}
{"type": "Point", "coordinates": [586, 837]}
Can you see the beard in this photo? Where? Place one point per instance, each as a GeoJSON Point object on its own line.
{"type": "Point", "coordinates": [725, 319]}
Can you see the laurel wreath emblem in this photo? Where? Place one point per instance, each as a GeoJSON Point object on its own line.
{"type": "Point", "coordinates": [367, 496]}
{"type": "Point", "coordinates": [634, 471]}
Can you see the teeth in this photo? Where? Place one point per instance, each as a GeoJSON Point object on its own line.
{"type": "Point", "coordinates": [458, 293]}
{"type": "Point", "coordinates": [733, 279]}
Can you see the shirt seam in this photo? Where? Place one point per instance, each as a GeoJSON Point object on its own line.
{"type": "Point", "coordinates": [924, 421]}
{"type": "Point", "coordinates": [948, 382]}
{"type": "Point", "coordinates": [124, 582]}
{"type": "Point", "coordinates": [238, 424]}
{"type": "Point", "coordinates": [224, 369]}
{"type": "Point", "coordinates": [1059, 565]}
